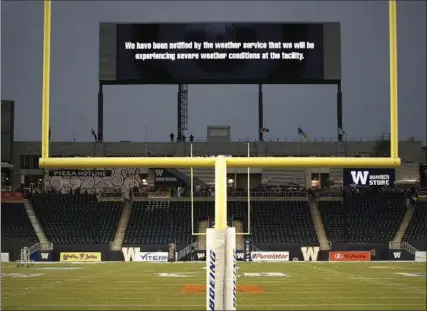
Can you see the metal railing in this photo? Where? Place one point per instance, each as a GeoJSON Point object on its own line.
{"type": "Point", "coordinates": [47, 246]}
{"type": "Point", "coordinates": [408, 247]}
{"type": "Point", "coordinates": [294, 139]}
{"type": "Point", "coordinates": [186, 250]}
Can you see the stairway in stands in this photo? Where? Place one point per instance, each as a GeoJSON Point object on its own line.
{"type": "Point", "coordinates": [122, 226]}
{"type": "Point", "coordinates": [201, 239]}
{"type": "Point", "coordinates": [318, 226]}
{"type": "Point", "coordinates": [398, 237]}
{"type": "Point", "coordinates": [240, 244]}
{"type": "Point", "coordinates": [38, 229]}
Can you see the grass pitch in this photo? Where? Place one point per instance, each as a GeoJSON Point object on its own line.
{"type": "Point", "coordinates": [170, 286]}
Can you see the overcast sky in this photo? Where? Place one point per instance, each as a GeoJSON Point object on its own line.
{"type": "Point", "coordinates": [129, 110]}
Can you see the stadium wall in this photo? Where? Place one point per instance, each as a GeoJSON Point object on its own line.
{"type": "Point", "coordinates": [379, 251]}
{"type": "Point", "coordinates": [409, 150]}
{"type": "Point", "coordinates": [13, 247]}
{"type": "Point", "coordinates": [295, 252]}
{"type": "Point", "coordinates": [104, 249]}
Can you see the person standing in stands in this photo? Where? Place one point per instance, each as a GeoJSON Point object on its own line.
{"type": "Point", "coordinates": [191, 138]}
{"type": "Point", "coordinates": [172, 137]}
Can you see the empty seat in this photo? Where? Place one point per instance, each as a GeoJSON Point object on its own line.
{"type": "Point", "coordinates": [160, 222]}
{"type": "Point", "coordinates": [15, 222]}
{"type": "Point", "coordinates": [77, 218]}
{"type": "Point", "coordinates": [363, 218]}
{"type": "Point", "coordinates": [417, 229]}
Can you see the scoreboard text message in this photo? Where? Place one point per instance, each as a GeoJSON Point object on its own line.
{"type": "Point", "coordinates": [221, 53]}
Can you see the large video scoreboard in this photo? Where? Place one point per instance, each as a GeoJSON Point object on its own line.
{"type": "Point", "coordinates": [219, 53]}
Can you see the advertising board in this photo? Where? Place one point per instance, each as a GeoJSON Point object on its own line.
{"type": "Point", "coordinates": [420, 256]}
{"type": "Point", "coordinates": [80, 257]}
{"type": "Point", "coordinates": [372, 177]}
{"type": "Point", "coordinates": [135, 254]}
{"type": "Point", "coordinates": [11, 196]}
{"type": "Point", "coordinates": [350, 256]}
{"type": "Point", "coordinates": [270, 256]}
{"type": "Point", "coordinates": [4, 257]}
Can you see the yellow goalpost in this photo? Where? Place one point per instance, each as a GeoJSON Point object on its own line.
{"type": "Point", "coordinates": [220, 163]}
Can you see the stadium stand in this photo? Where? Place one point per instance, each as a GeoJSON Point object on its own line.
{"type": "Point", "coordinates": [279, 222]}
{"type": "Point", "coordinates": [416, 234]}
{"type": "Point", "coordinates": [353, 217]}
{"type": "Point", "coordinates": [334, 221]}
{"type": "Point", "coordinates": [15, 222]}
{"type": "Point", "coordinates": [363, 217]}
{"type": "Point", "coordinates": [159, 222]}
{"type": "Point", "coordinates": [77, 218]}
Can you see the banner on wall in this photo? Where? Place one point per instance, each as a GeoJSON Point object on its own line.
{"type": "Point", "coordinates": [4, 257]}
{"type": "Point", "coordinates": [420, 256]}
{"type": "Point", "coordinates": [81, 173]}
{"type": "Point", "coordinates": [80, 257]}
{"type": "Point", "coordinates": [369, 177]}
{"type": "Point", "coordinates": [350, 256]}
{"type": "Point", "coordinates": [11, 196]}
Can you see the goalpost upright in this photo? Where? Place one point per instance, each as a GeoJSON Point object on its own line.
{"type": "Point", "coordinates": [221, 281]}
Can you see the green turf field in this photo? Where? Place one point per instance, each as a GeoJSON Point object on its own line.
{"type": "Point", "coordinates": [166, 286]}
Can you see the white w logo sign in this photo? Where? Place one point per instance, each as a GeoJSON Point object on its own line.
{"type": "Point", "coordinates": [360, 177]}
{"type": "Point", "coordinates": [131, 253]}
{"type": "Point", "coordinates": [45, 256]}
{"type": "Point", "coordinates": [310, 253]}
{"type": "Point", "coordinates": [132, 171]}
{"type": "Point", "coordinates": [159, 173]}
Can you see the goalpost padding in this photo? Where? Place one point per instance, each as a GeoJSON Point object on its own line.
{"type": "Point", "coordinates": [221, 267]}
{"type": "Point", "coordinates": [230, 281]}
{"type": "Point", "coordinates": [215, 269]}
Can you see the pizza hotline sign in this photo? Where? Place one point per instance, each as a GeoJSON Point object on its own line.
{"type": "Point", "coordinates": [350, 256]}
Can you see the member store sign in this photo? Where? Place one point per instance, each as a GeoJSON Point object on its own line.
{"type": "Point", "coordinates": [368, 177]}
